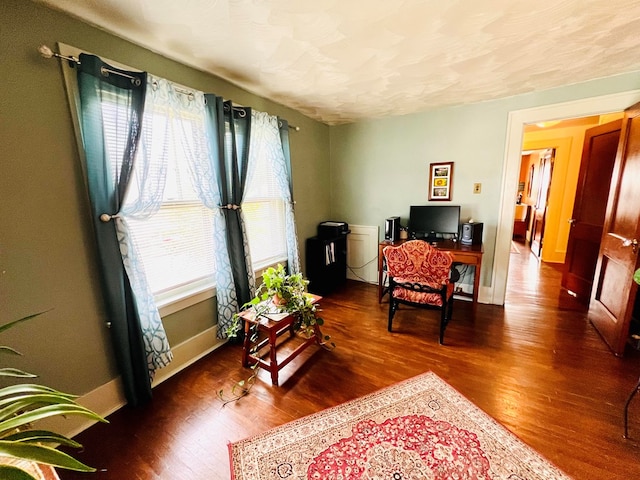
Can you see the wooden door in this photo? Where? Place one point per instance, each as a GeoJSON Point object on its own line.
{"type": "Point", "coordinates": [598, 157]}
{"type": "Point", "coordinates": [542, 202]}
{"type": "Point", "coordinates": [614, 290]}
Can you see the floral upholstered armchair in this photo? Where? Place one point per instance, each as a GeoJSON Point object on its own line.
{"type": "Point", "coordinates": [419, 275]}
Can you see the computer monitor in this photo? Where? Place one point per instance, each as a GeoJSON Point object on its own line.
{"type": "Point", "coordinates": [434, 221]}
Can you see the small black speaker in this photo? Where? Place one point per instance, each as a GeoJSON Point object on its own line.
{"type": "Point", "coordinates": [392, 229]}
{"type": "Point", "coordinates": [471, 234]}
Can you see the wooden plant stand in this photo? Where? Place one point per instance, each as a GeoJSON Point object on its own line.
{"type": "Point", "coordinates": [273, 325]}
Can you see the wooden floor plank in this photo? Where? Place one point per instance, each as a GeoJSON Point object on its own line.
{"type": "Point", "coordinates": [536, 365]}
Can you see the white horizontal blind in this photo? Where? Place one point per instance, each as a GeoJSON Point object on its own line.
{"type": "Point", "coordinates": [265, 229]}
{"type": "Point", "coordinates": [176, 243]}
{"type": "Point", "coordinates": [264, 212]}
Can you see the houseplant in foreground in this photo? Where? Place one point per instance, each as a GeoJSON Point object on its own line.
{"type": "Point", "coordinates": [25, 403]}
{"type": "Point", "coordinates": [284, 293]}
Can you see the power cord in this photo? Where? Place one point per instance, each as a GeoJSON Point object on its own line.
{"type": "Point", "coordinates": [352, 269]}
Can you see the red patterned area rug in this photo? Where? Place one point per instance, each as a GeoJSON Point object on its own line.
{"type": "Point", "coordinates": [417, 429]}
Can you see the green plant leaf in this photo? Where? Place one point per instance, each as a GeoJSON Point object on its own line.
{"type": "Point", "coordinates": [17, 404]}
{"type": "Point", "coordinates": [28, 388]}
{"type": "Point", "coordinates": [636, 276]}
{"type": "Point", "coordinates": [23, 404]}
{"type": "Point", "coordinates": [9, 472]}
{"type": "Point", "coordinates": [35, 398]}
{"type": "Point", "coordinates": [42, 454]}
{"type": "Point", "coordinates": [15, 372]}
{"type": "Point", "coordinates": [44, 412]}
{"type": "Point", "coordinates": [9, 325]}
{"type": "Point", "coordinates": [42, 436]}
{"type": "Point", "coordinates": [9, 350]}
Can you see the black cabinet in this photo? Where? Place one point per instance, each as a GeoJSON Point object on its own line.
{"type": "Point", "coordinates": [326, 263]}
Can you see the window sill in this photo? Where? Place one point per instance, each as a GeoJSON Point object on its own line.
{"type": "Point", "coordinates": [180, 300]}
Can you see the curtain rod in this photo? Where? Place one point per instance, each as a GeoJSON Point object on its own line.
{"type": "Point", "coordinates": [46, 52]}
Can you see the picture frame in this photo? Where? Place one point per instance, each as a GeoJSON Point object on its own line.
{"type": "Point", "coordinates": [440, 181]}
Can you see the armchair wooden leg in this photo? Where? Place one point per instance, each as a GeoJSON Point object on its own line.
{"type": "Point", "coordinates": [393, 306]}
{"type": "Point", "coordinates": [443, 323]}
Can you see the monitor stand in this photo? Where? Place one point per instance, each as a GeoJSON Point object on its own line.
{"type": "Point", "coordinates": [431, 237]}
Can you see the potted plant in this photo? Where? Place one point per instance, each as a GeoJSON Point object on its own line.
{"type": "Point", "coordinates": [281, 292]}
{"type": "Point", "coordinates": [286, 293]}
{"type": "Point", "coordinates": [25, 403]}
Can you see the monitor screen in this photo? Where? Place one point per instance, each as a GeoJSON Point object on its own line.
{"type": "Point", "coordinates": [434, 220]}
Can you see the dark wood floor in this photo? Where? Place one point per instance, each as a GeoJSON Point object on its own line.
{"type": "Point", "coordinates": [536, 365]}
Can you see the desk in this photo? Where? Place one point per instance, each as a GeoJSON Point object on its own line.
{"type": "Point", "coordinates": [466, 254]}
{"type": "Point", "coordinates": [273, 329]}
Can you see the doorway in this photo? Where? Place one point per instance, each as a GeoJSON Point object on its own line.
{"type": "Point", "coordinates": [517, 121]}
{"type": "Point", "coordinates": [541, 168]}
{"type": "Point", "coordinates": [567, 137]}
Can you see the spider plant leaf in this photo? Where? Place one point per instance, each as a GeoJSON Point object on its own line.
{"type": "Point", "coordinates": [47, 411]}
{"type": "Point", "coordinates": [9, 472]}
{"type": "Point", "coordinates": [7, 326]}
{"type": "Point", "coordinates": [12, 405]}
{"type": "Point", "coordinates": [15, 372]}
{"type": "Point", "coordinates": [30, 388]}
{"type": "Point", "coordinates": [9, 350]}
{"type": "Point", "coordinates": [42, 454]}
{"type": "Point", "coordinates": [42, 436]}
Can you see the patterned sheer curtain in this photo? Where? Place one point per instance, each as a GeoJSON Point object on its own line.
{"type": "Point", "coordinates": [267, 144]}
{"type": "Point", "coordinates": [228, 131]}
{"type": "Point", "coordinates": [111, 110]}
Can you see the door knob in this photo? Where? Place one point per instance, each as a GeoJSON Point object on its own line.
{"type": "Point", "coordinates": [631, 243]}
{"type": "Point", "coordinates": [572, 221]}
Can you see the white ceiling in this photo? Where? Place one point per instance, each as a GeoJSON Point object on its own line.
{"type": "Point", "coordinates": [339, 61]}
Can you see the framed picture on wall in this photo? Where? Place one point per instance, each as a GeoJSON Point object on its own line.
{"type": "Point", "coordinates": [440, 181]}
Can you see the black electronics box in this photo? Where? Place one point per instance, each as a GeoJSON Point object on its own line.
{"type": "Point", "coordinates": [471, 234]}
{"type": "Point", "coordinates": [331, 229]}
{"type": "Point", "coordinates": [392, 229]}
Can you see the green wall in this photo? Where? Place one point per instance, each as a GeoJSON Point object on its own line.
{"type": "Point", "coordinates": [47, 256]}
{"type": "Point", "coordinates": [381, 167]}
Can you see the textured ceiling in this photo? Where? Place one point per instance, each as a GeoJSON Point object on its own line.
{"type": "Point", "coordinates": [339, 61]}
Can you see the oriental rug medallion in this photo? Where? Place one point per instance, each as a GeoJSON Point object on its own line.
{"type": "Point", "coordinates": [418, 429]}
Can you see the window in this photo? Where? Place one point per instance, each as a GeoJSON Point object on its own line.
{"type": "Point", "coordinates": [177, 243]}
{"type": "Point", "coordinates": [264, 213]}
{"type": "Point", "coordinates": [265, 229]}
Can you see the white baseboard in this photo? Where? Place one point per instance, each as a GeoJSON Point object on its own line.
{"type": "Point", "coordinates": [484, 294]}
{"type": "Point", "coordinates": [189, 352]}
{"type": "Point", "coordinates": [110, 397]}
